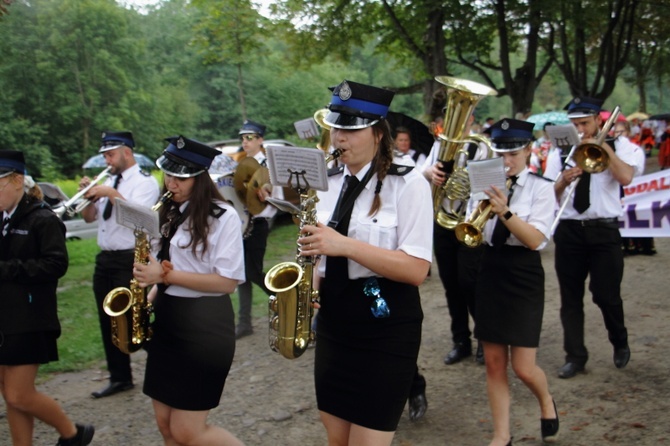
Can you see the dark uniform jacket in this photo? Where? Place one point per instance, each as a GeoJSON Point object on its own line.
{"type": "Point", "coordinates": [33, 256]}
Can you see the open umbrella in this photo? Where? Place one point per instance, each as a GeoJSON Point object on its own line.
{"type": "Point", "coordinates": [660, 117]}
{"type": "Point", "coordinates": [98, 162]}
{"type": "Point", "coordinates": [637, 115]}
{"type": "Point", "coordinates": [422, 139]}
{"type": "Point", "coordinates": [554, 117]}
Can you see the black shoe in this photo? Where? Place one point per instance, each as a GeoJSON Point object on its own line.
{"type": "Point", "coordinates": [417, 406]}
{"type": "Point", "coordinates": [458, 353]}
{"type": "Point", "coordinates": [569, 370]}
{"type": "Point", "coordinates": [112, 388]}
{"type": "Point", "coordinates": [621, 357]}
{"type": "Point", "coordinates": [549, 427]}
{"type": "Point", "coordinates": [243, 330]}
{"type": "Point", "coordinates": [479, 356]}
{"type": "Point", "coordinates": [82, 438]}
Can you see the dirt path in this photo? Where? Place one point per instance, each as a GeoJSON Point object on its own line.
{"type": "Point", "coordinates": [269, 400]}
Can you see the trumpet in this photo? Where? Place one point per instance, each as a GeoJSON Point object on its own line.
{"type": "Point", "coordinates": [74, 205]}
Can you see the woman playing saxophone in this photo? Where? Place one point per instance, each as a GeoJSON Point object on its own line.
{"type": "Point", "coordinates": [201, 263]}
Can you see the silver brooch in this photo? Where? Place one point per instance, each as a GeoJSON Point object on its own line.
{"type": "Point", "coordinates": [181, 143]}
{"type": "Point", "coordinates": [345, 91]}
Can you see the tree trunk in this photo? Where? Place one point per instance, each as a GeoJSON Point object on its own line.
{"type": "Point", "coordinates": [240, 88]}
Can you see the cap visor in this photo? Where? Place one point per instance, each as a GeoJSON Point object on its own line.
{"type": "Point", "coordinates": [349, 122]}
{"type": "Point", "coordinates": [108, 148]}
{"type": "Point", "coordinates": [510, 146]}
{"type": "Point", "coordinates": [5, 172]}
{"type": "Point", "coordinates": [177, 169]}
{"type": "Point", "coordinates": [580, 114]}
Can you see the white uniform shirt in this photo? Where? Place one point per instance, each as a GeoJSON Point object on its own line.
{"type": "Point", "coordinates": [404, 221]}
{"type": "Point", "coordinates": [224, 256]}
{"type": "Point", "coordinates": [277, 192]}
{"type": "Point", "coordinates": [532, 202]}
{"type": "Point", "coordinates": [604, 190]}
{"type": "Point", "coordinates": [135, 187]}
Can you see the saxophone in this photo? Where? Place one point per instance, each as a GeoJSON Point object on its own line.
{"type": "Point", "coordinates": [129, 308]}
{"type": "Point", "coordinates": [290, 310]}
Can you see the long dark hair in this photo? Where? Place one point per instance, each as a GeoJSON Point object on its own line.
{"type": "Point", "coordinates": [382, 160]}
{"type": "Point", "coordinates": [203, 194]}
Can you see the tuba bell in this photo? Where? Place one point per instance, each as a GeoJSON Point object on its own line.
{"type": "Point", "coordinates": [129, 308]}
{"type": "Point", "coordinates": [462, 97]}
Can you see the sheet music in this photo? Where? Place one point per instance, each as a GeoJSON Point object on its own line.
{"type": "Point", "coordinates": [296, 166]}
{"type": "Point", "coordinates": [135, 216]}
{"type": "Point", "coordinates": [484, 174]}
{"type": "Point", "coordinates": [563, 136]}
{"type": "Point", "coordinates": [307, 128]}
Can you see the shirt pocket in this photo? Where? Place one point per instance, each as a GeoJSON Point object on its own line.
{"type": "Point", "coordinates": [522, 211]}
{"type": "Point", "coordinates": [378, 230]}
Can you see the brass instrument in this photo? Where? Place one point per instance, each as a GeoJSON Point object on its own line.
{"type": "Point", "coordinates": [73, 206]}
{"type": "Point", "coordinates": [462, 97]}
{"type": "Point", "coordinates": [128, 307]}
{"type": "Point", "coordinates": [591, 157]}
{"type": "Point", "coordinates": [324, 142]}
{"type": "Point", "coordinates": [290, 309]}
{"type": "Point", "coordinates": [470, 232]}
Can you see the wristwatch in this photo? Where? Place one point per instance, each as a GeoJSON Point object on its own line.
{"type": "Point", "coordinates": [508, 215]}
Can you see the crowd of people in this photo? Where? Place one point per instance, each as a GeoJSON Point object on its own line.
{"type": "Point", "coordinates": [375, 239]}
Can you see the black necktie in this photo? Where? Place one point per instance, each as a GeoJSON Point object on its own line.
{"type": "Point", "coordinates": [582, 200]}
{"type": "Point", "coordinates": [336, 267]}
{"type": "Point", "coordinates": [500, 231]}
{"type": "Point", "coordinates": [108, 208]}
{"type": "Point", "coordinates": [5, 221]}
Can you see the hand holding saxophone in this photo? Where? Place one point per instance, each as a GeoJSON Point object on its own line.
{"type": "Point", "coordinates": [321, 239]}
{"type": "Point", "coordinates": [148, 274]}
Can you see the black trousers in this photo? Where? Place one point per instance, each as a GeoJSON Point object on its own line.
{"type": "Point", "coordinates": [582, 251]}
{"type": "Point", "coordinates": [112, 269]}
{"type": "Point", "coordinates": [458, 267]}
{"type": "Point", "coordinates": [254, 251]}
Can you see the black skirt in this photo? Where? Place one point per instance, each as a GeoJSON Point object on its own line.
{"type": "Point", "coordinates": [364, 366]}
{"type": "Point", "coordinates": [510, 297]}
{"type": "Point", "coordinates": [192, 349]}
{"type": "Point", "coordinates": [28, 348]}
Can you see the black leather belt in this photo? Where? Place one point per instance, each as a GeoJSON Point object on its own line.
{"type": "Point", "coordinates": [600, 222]}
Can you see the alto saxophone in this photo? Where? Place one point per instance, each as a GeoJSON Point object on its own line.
{"type": "Point", "coordinates": [129, 308]}
{"type": "Point", "coordinates": [290, 309]}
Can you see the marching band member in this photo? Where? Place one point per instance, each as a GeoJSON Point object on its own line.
{"type": "Point", "coordinates": [588, 242]}
{"type": "Point", "coordinates": [113, 264]}
{"type": "Point", "coordinates": [193, 343]}
{"type": "Point", "coordinates": [255, 242]}
{"type": "Point", "coordinates": [33, 256]}
{"type": "Point", "coordinates": [510, 293]}
{"type": "Point", "coordinates": [377, 248]}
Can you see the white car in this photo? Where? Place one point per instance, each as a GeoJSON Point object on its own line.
{"type": "Point", "coordinates": [78, 229]}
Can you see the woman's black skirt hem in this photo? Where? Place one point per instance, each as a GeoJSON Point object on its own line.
{"type": "Point", "coordinates": [192, 349]}
{"type": "Point", "coordinates": [28, 348]}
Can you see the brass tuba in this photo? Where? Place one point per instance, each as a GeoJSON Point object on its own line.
{"type": "Point", "coordinates": [128, 307]}
{"type": "Point", "coordinates": [462, 98]}
{"type": "Point", "coordinates": [290, 309]}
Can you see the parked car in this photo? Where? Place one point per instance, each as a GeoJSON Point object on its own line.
{"type": "Point", "coordinates": [78, 229]}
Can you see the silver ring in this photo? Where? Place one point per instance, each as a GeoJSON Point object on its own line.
{"type": "Point", "coordinates": [310, 246]}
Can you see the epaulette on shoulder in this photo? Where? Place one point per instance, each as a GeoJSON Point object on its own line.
{"type": "Point", "coordinates": [400, 170]}
{"type": "Point", "coordinates": [216, 211]}
{"type": "Point", "coordinates": [335, 170]}
{"type": "Point", "coordinates": [540, 176]}
{"type": "Point", "coordinates": [146, 173]}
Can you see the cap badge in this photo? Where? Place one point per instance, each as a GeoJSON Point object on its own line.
{"type": "Point", "coordinates": [504, 125]}
{"type": "Point", "coordinates": [577, 100]}
{"type": "Point", "coordinates": [345, 91]}
{"type": "Point", "coordinates": [104, 134]}
{"type": "Point", "coordinates": [181, 143]}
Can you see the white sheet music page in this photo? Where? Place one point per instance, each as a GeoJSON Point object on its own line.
{"type": "Point", "coordinates": [563, 136]}
{"type": "Point", "coordinates": [135, 216]}
{"type": "Point", "coordinates": [307, 128]}
{"type": "Point", "coordinates": [297, 166]}
{"type": "Point", "coordinates": [484, 174]}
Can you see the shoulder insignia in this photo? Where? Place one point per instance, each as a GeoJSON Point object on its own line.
{"type": "Point", "coordinates": [540, 176]}
{"type": "Point", "coordinates": [400, 170]}
{"type": "Point", "coordinates": [145, 173]}
{"type": "Point", "coordinates": [335, 170]}
{"type": "Point", "coordinates": [216, 211]}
